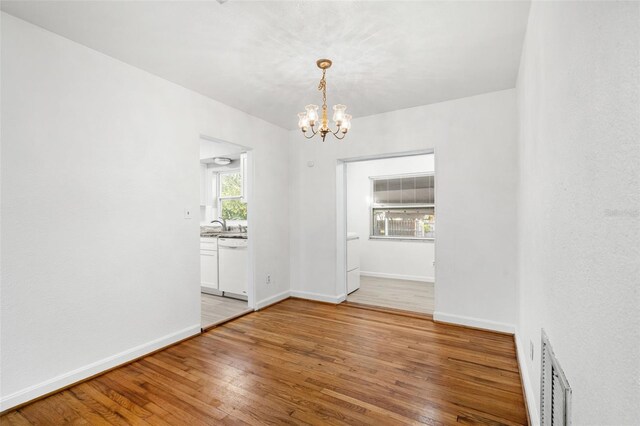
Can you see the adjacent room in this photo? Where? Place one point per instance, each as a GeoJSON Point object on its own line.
{"type": "Point", "coordinates": [391, 230]}
{"type": "Point", "coordinates": [224, 230]}
{"type": "Point", "coordinates": [309, 212]}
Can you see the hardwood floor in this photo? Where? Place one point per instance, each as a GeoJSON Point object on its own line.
{"type": "Point", "coordinates": [214, 309]}
{"type": "Point", "coordinates": [302, 362]}
{"type": "Point", "coordinates": [412, 296]}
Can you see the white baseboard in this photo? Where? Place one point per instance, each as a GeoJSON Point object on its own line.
{"type": "Point", "coordinates": [474, 322]}
{"type": "Point", "coordinates": [532, 408]}
{"type": "Point", "coordinates": [318, 297]}
{"type": "Point", "coordinates": [397, 276]}
{"type": "Point", "coordinates": [210, 290]}
{"type": "Point", "coordinates": [273, 299]}
{"type": "Point", "coordinates": [63, 380]}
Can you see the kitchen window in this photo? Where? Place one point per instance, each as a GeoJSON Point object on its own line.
{"type": "Point", "coordinates": [403, 207]}
{"type": "Point", "coordinates": [232, 205]}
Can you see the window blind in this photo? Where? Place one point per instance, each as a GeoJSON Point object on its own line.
{"type": "Point", "coordinates": [404, 190]}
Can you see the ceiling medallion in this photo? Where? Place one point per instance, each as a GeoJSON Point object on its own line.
{"type": "Point", "coordinates": [307, 120]}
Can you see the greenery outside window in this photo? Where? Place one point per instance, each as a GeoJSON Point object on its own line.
{"type": "Point", "coordinates": [403, 207]}
{"type": "Point", "coordinates": [230, 199]}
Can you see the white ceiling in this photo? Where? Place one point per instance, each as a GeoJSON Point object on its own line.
{"type": "Point", "coordinates": [260, 57]}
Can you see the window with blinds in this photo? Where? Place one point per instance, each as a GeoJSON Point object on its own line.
{"type": "Point", "coordinates": [403, 207]}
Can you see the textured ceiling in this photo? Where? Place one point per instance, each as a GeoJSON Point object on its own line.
{"type": "Point", "coordinates": [260, 57]}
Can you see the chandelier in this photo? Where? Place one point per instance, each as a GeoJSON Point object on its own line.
{"type": "Point", "coordinates": [307, 120]}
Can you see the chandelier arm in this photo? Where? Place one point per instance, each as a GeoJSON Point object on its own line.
{"type": "Point", "coordinates": [313, 133]}
{"type": "Point", "coordinates": [338, 137]}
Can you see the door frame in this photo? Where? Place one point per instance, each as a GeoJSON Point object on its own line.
{"type": "Point", "coordinates": [251, 267]}
{"type": "Point", "coordinates": [341, 214]}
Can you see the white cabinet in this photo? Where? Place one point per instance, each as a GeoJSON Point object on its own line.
{"type": "Point", "coordinates": [353, 253]}
{"type": "Point", "coordinates": [209, 266]}
{"type": "Point", "coordinates": [353, 262]}
{"type": "Point", "coordinates": [209, 271]}
{"type": "Point", "coordinates": [353, 280]}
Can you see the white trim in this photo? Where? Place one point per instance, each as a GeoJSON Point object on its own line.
{"type": "Point", "coordinates": [210, 290]}
{"type": "Point", "coordinates": [341, 228]}
{"type": "Point", "coordinates": [397, 276]}
{"type": "Point", "coordinates": [319, 297]}
{"type": "Point", "coordinates": [273, 299]}
{"type": "Point", "coordinates": [474, 322]}
{"type": "Point", "coordinates": [388, 155]}
{"type": "Point", "coordinates": [532, 405]}
{"type": "Point", "coordinates": [341, 215]}
{"type": "Point", "coordinates": [252, 282]}
{"type": "Point", "coordinates": [253, 228]}
{"type": "Point", "coordinates": [59, 382]}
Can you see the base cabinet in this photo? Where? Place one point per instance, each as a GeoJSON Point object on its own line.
{"type": "Point", "coordinates": [353, 262]}
{"type": "Point", "coordinates": [353, 280]}
{"type": "Point", "coordinates": [209, 271]}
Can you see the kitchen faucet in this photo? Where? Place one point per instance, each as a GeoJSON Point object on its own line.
{"type": "Point", "coordinates": [222, 222]}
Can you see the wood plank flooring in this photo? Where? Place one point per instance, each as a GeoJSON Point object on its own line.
{"type": "Point", "coordinates": [302, 362]}
{"type": "Point", "coordinates": [214, 309]}
{"type": "Point", "coordinates": [412, 296]}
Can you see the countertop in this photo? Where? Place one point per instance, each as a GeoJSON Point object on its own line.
{"type": "Point", "coordinates": [223, 234]}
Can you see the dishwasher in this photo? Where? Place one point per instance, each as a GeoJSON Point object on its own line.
{"type": "Point", "coordinates": [232, 267]}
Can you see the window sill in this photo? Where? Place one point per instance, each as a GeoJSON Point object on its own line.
{"type": "Point", "coordinates": [416, 239]}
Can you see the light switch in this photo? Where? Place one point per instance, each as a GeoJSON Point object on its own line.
{"type": "Point", "coordinates": [187, 213]}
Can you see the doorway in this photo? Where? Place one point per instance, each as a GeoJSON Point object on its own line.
{"type": "Point", "coordinates": [226, 270]}
{"type": "Point", "coordinates": [387, 228]}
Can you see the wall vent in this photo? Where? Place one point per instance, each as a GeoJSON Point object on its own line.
{"type": "Point", "coordinates": [555, 392]}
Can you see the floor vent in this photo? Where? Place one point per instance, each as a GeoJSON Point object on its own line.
{"type": "Point", "coordinates": [555, 392]}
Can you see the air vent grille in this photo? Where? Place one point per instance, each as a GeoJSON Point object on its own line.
{"type": "Point", "coordinates": [555, 392]}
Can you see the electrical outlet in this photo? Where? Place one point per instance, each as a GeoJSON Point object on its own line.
{"type": "Point", "coordinates": [531, 349]}
{"type": "Point", "coordinates": [268, 279]}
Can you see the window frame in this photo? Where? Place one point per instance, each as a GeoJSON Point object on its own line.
{"type": "Point", "coordinates": [373, 206]}
{"type": "Point", "coordinates": [221, 198]}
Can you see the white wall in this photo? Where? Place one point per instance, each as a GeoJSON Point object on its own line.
{"type": "Point", "coordinates": [99, 159]}
{"type": "Point", "coordinates": [579, 209]}
{"type": "Point", "coordinates": [476, 173]}
{"type": "Point", "coordinates": [395, 258]}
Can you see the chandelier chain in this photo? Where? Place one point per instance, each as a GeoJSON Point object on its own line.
{"type": "Point", "coordinates": [322, 86]}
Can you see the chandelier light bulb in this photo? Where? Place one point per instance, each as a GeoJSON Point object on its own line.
{"type": "Point", "coordinates": [346, 123]}
{"type": "Point", "coordinates": [338, 114]}
{"type": "Point", "coordinates": [303, 121]}
{"type": "Point", "coordinates": [312, 113]}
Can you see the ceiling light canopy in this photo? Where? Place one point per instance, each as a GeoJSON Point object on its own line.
{"type": "Point", "coordinates": [308, 119]}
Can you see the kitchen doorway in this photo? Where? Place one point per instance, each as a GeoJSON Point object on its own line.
{"type": "Point", "coordinates": [226, 269]}
{"type": "Point", "coordinates": [386, 231]}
